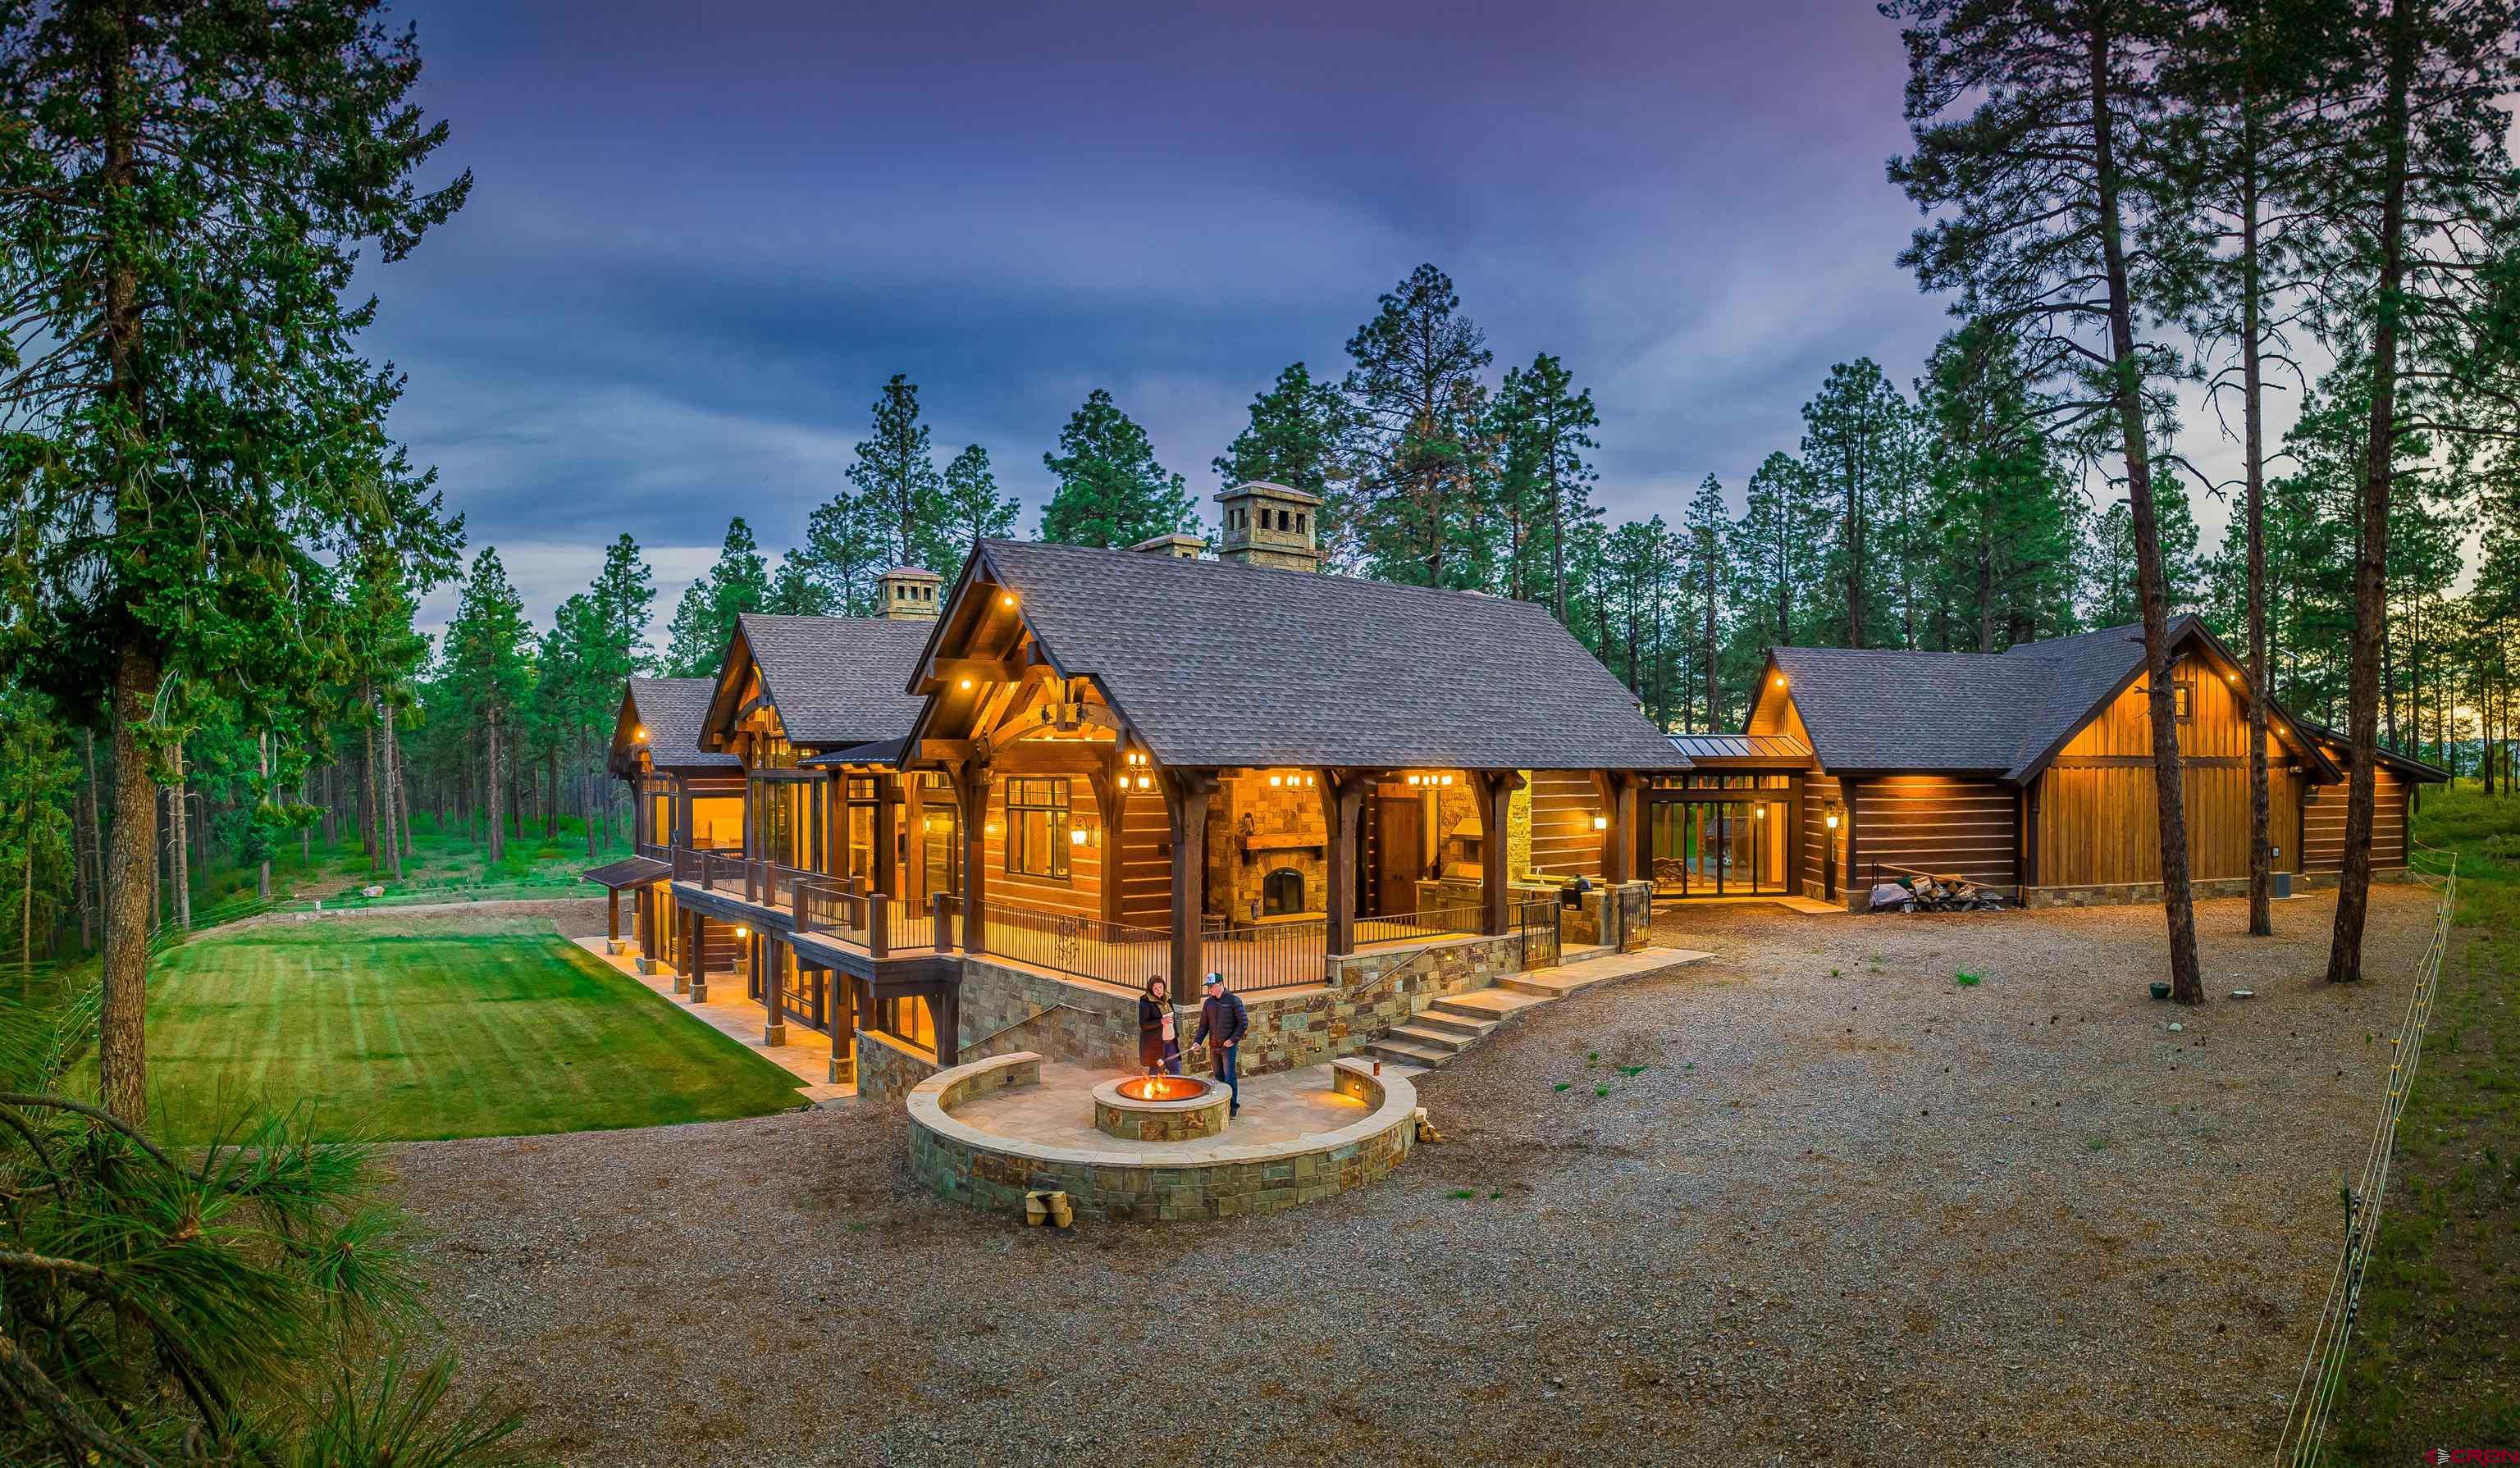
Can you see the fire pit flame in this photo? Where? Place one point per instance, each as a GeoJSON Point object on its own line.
{"type": "Point", "coordinates": [1162, 1088]}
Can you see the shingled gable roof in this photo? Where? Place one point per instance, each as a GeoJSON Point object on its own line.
{"type": "Point", "coordinates": [2006, 714]}
{"type": "Point", "coordinates": [1215, 664]}
{"type": "Point", "coordinates": [671, 710]}
{"type": "Point", "coordinates": [834, 681]}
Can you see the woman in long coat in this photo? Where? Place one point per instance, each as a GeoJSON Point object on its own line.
{"type": "Point", "coordinates": [1158, 1049]}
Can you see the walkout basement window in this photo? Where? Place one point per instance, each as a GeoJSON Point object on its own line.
{"type": "Point", "coordinates": [1037, 828]}
{"type": "Point", "coordinates": [907, 1019]}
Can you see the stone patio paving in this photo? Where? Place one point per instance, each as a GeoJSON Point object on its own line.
{"type": "Point", "coordinates": [1059, 1113]}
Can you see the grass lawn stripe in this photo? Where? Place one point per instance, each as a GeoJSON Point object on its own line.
{"type": "Point", "coordinates": [491, 1029]}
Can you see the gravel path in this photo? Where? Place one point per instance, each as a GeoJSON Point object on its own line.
{"type": "Point", "coordinates": [1850, 1211]}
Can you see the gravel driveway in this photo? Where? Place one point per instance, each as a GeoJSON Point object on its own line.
{"type": "Point", "coordinates": [1849, 1211]}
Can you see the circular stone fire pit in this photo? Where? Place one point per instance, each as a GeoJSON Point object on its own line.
{"type": "Point", "coordinates": [1161, 1108]}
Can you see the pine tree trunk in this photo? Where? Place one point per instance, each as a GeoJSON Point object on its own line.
{"type": "Point", "coordinates": [397, 805]}
{"type": "Point", "coordinates": [179, 867]}
{"type": "Point", "coordinates": [262, 754]}
{"type": "Point", "coordinates": [2261, 922]}
{"type": "Point", "coordinates": [131, 851]}
{"type": "Point", "coordinates": [2178, 903]}
{"type": "Point", "coordinates": [306, 833]}
{"type": "Point", "coordinates": [497, 790]}
{"type": "Point", "coordinates": [90, 843]}
{"type": "Point", "coordinates": [551, 792]}
{"type": "Point", "coordinates": [2372, 535]}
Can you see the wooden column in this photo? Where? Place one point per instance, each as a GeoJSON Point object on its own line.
{"type": "Point", "coordinates": [699, 950]}
{"type": "Point", "coordinates": [682, 813]}
{"type": "Point", "coordinates": [817, 856]}
{"type": "Point", "coordinates": [612, 914]}
{"type": "Point", "coordinates": [973, 786]}
{"type": "Point", "coordinates": [1186, 793]}
{"type": "Point", "coordinates": [913, 830]}
{"type": "Point", "coordinates": [774, 990]}
{"type": "Point", "coordinates": [945, 1005]}
{"type": "Point", "coordinates": [1110, 808]}
{"type": "Point", "coordinates": [1342, 817]}
{"type": "Point", "coordinates": [1496, 789]}
{"type": "Point", "coordinates": [888, 865]}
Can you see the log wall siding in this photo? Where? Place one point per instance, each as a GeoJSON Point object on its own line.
{"type": "Point", "coordinates": [1563, 842]}
{"type": "Point", "coordinates": [2097, 819]}
{"type": "Point", "coordinates": [1082, 893]}
{"type": "Point", "coordinates": [2322, 823]}
{"type": "Point", "coordinates": [1146, 865]}
{"type": "Point", "coordinates": [1938, 823]}
{"type": "Point", "coordinates": [1818, 791]}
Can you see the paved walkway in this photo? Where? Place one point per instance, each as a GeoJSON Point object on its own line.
{"type": "Point", "coordinates": [807, 1054]}
{"type": "Point", "coordinates": [1796, 903]}
{"type": "Point", "coordinates": [1280, 1107]}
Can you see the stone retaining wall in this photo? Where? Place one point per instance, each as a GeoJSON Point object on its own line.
{"type": "Point", "coordinates": [1085, 1023]}
{"type": "Point", "coordinates": [989, 1171]}
{"type": "Point", "coordinates": [888, 1070]}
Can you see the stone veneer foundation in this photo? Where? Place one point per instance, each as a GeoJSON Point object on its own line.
{"type": "Point", "coordinates": [2111, 893]}
{"type": "Point", "coordinates": [1192, 1118]}
{"type": "Point", "coordinates": [1186, 1180]}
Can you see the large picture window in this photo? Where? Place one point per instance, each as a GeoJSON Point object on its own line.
{"type": "Point", "coordinates": [1037, 828]}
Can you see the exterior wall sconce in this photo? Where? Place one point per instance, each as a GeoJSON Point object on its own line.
{"type": "Point", "coordinates": [1600, 822]}
{"type": "Point", "coordinates": [1078, 835]}
{"type": "Point", "coordinates": [640, 733]}
{"type": "Point", "coordinates": [1781, 680]}
{"type": "Point", "coordinates": [740, 931]}
{"type": "Point", "coordinates": [1832, 816]}
{"type": "Point", "coordinates": [1760, 811]}
{"type": "Point", "coordinates": [1146, 782]}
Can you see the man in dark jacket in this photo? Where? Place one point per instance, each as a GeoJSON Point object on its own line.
{"type": "Point", "coordinates": [1221, 1024]}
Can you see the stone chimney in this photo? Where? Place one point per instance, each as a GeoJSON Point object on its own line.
{"type": "Point", "coordinates": [1177, 546]}
{"type": "Point", "coordinates": [907, 593]}
{"type": "Point", "coordinates": [1272, 525]}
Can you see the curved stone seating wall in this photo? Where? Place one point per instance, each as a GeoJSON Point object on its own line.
{"type": "Point", "coordinates": [1197, 1180]}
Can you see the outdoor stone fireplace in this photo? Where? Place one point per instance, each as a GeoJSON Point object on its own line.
{"type": "Point", "coordinates": [1272, 858]}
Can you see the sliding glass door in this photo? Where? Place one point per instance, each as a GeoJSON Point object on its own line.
{"type": "Point", "coordinates": [1708, 845]}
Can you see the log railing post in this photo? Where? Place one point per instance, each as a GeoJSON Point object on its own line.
{"type": "Point", "coordinates": [878, 926]}
{"type": "Point", "coordinates": [941, 924]}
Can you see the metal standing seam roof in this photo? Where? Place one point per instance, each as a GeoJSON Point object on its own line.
{"type": "Point", "coordinates": [837, 681]}
{"type": "Point", "coordinates": [672, 710]}
{"type": "Point", "coordinates": [1217, 663]}
{"type": "Point", "coordinates": [1732, 746]}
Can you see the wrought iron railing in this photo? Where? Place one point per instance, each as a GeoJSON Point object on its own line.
{"type": "Point", "coordinates": [1114, 953]}
{"type": "Point", "coordinates": [1537, 919]}
{"type": "Point", "coordinates": [825, 905]}
{"type": "Point", "coordinates": [1270, 955]}
{"type": "Point", "coordinates": [1419, 926]}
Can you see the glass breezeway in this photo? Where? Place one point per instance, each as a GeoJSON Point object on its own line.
{"type": "Point", "coordinates": [1719, 842]}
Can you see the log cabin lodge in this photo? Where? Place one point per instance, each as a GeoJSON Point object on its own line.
{"type": "Point", "coordinates": [980, 820]}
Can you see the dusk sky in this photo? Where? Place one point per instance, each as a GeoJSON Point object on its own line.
{"type": "Point", "coordinates": [702, 237]}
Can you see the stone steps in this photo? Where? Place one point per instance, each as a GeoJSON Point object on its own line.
{"type": "Point", "coordinates": [1428, 1037]}
{"type": "Point", "coordinates": [1466, 1027]}
{"type": "Point", "coordinates": [1451, 1025]}
{"type": "Point", "coordinates": [1401, 1052]}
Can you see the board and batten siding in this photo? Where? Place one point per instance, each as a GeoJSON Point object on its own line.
{"type": "Point", "coordinates": [1563, 843]}
{"type": "Point", "coordinates": [2096, 817]}
{"type": "Point", "coordinates": [1936, 824]}
{"type": "Point", "coordinates": [2322, 823]}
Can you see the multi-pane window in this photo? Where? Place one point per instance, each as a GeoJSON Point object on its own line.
{"type": "Point", "coordinates": [1037, 827]}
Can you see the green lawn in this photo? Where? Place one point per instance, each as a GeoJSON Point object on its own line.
{"type": "Point", "coordinates": [495, 1027]}
{"type": "Point", "coordinates": [447, 865]}
{"type": "Point", "coordinates": [2435, 1359]}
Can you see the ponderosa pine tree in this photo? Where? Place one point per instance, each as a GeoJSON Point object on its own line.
{"type": "Point", "coordinates": [625, 598]}
{"type": "Point", "coordinates": [182, 199]}
{"type": "Point", "coordinates": [796, 592]}
{"type": "Point", "coordinates": [1850, 448]}
{"type": "Point", "coordinates": [1706, 540]}
{"type": "Point", "coordinates": [900, 495]}
{"type": "Point", "coordinates": [704, 617]}
{"type": "Point", "coordinates": [973, 509]}
{"type": "Point", "coordinates": [2038, 187]}
{"type": "Point", "coordinates": [845, 553]}
{"type": "Point", "coordinates": [1546, 430]}
{"type": "Point", "coordinates": [1111, 492]}
{"type": "Point", "coordinates": [1774, 545]}
{"type": "Point", "coordinates": [2415, 206]}
{"type": "Point", "coordinates": [2001, 521]}
{"type": "Point", "coordinates": [1418, 406]}
{"type": "Point", "coordinates": [1298, 434]}
{"type": "Point", "coordinates": [489, 651]}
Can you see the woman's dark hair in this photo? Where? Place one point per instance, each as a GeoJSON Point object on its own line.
{"type": "Point", "coordinates": [1152, 980]}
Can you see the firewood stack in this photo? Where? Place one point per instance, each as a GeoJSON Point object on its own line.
{"type": "Point", "coordinates": [1945, 893]}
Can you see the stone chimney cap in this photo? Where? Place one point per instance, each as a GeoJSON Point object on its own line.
{"type": "Point", "coordinates": [1177, 544]}
{"type": "Point", "coordinates": [1273, 491]}
{"type": "Point", "coordinates": [910, 573]}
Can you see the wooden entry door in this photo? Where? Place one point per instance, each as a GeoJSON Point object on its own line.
{"type": "Point", "coordinates": [1399, 853]}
